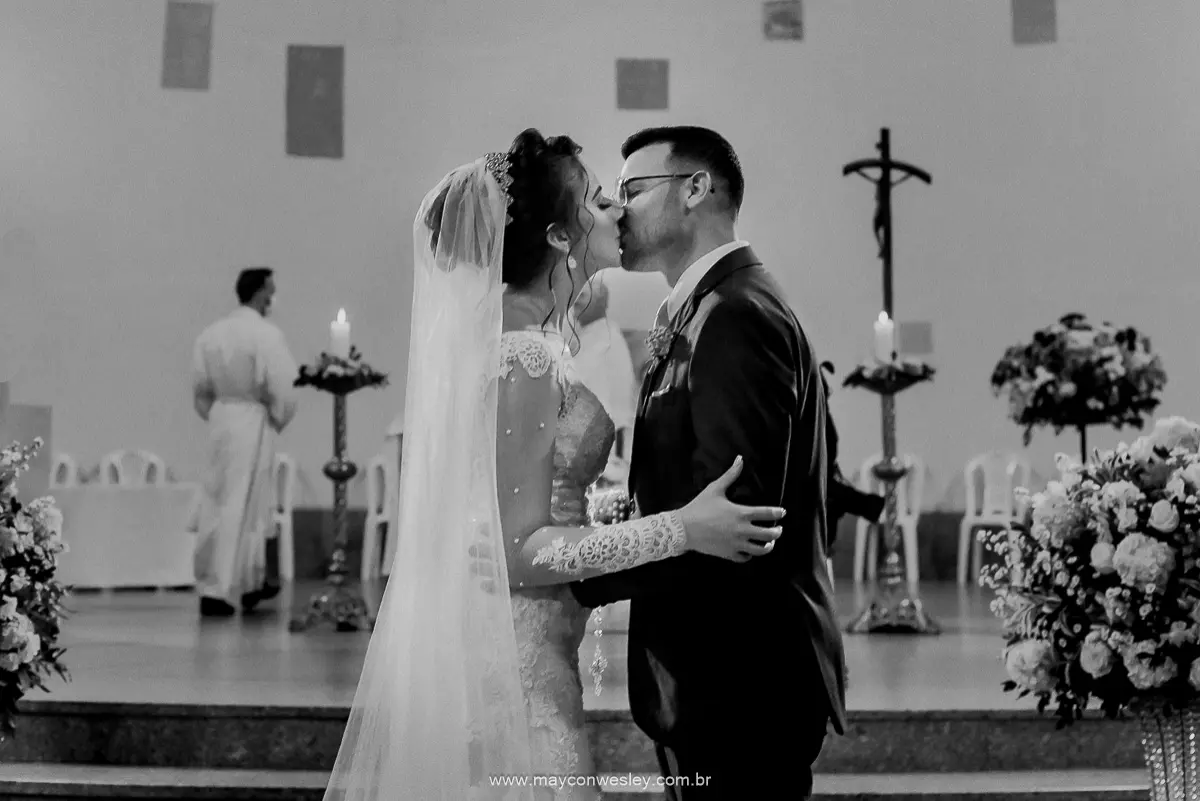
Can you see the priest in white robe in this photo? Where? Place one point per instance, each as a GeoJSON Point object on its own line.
{"type": "Point", "coordinates": [242, 376]}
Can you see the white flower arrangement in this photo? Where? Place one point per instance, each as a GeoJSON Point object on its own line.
{"type": "Point", "coordinates": [1101, 596]}
{"type": "Point", "coordinates": [1075, 374]}
{"type": "Point", "coordinates": [340, 376]}
{"type": "Point", "coordinates": [30, 598]}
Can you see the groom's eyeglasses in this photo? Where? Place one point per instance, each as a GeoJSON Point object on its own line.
{"type": "Point", "coordinates": [624, 195]}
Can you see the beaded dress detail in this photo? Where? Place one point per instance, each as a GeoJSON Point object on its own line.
{"type": "Point", "coordinates": [549, 622]}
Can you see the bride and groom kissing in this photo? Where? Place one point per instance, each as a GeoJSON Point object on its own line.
{"type": "Point", "coordinates": [471, 686]}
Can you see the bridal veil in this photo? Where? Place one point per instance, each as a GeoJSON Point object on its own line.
{"type": "Point", "coordinates": [439, 713]}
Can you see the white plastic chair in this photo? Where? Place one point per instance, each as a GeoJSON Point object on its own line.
{"type": "Point", "coordinates": [64, 472]}
{"type": "Point", "coordinates": [283, 493]}
{"type": "Point", "coordinates": [910, 492]}
{"type": "Point", "coordinates": [132, 468]}
{"type": "Point", "coordinates": [381, 494]}
{"type": "Point", "coordinates": [1002, 472]}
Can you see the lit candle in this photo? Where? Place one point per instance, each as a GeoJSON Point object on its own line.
{"type": "Point", "coordinates": [339, 336]}
{"type": "Point", "coordinates": [885, 338]}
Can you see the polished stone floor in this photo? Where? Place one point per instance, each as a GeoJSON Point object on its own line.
{"type": "Point", "coordinates": [154, 648]}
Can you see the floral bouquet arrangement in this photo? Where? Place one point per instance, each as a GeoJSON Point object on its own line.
{"type": "Point", "coordinates": [339, 376]}
{"type": "Point", "coordinates": [1101, 597]}
{"type": "Point", "coordinates": [1074, 374]}
{"type": "Point", "coordinates": [609, 506]}
{"type": "Point", "coordinates": [889, 378]}
{"type": "Point", "coordinates": [30, 598]}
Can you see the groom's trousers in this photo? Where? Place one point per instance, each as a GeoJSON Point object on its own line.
{"type": "Point", "coordinates": [741, 765]}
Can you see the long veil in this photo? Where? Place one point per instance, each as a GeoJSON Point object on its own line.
{"type": "Point", "coordinates": [439, 712]}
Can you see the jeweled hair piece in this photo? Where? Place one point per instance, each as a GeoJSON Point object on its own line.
{"type": "Point", "coordinates": [498, 165]}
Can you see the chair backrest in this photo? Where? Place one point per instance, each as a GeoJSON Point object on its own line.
{"type": "Point", "coordinates": [1001, 472]}
{"type": "Point", "coordinates": [64, 472]}
{"type": "Point", "coordinates": [133, 468]}
{"type": "Point", "coordinates": [283, 483]}
{"type": "Point", "coordinates": [910, 490]}
{"type": "Point", "coordinates": [378, 485]}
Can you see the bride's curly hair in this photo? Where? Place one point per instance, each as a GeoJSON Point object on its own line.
{"type": "Point", "coordinates": [549, 188]}
{"type": "Point", "coordinates": [548, 180]}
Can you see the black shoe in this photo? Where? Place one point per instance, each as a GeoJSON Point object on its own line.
{"type": "Point", "coordinates": [255, 597]}
{"type": "Point", "coordinates": [215, 607]}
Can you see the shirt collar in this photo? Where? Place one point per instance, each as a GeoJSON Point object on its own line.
{"type": "Point", "coordinates": [695, 273]}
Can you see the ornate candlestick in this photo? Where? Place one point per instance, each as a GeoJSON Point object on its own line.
{"type": "Point", "coordinates": [895, 607]}
{"type": "Point", "coordinates": [337, 602]}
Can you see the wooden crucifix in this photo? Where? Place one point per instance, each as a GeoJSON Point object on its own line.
{"type": "Point", "coordinates": [895, 606]}
{"type": "Point", "coordinates": [883, 201]}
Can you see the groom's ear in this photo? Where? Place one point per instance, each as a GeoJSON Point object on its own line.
{"type": "Point", "coordinates": [700, 188]}
{"type": "Point", "coordinates": [557, 238]}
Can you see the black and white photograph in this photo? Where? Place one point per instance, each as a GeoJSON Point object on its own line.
{"type": "Point", "coordinates": [675, 401]}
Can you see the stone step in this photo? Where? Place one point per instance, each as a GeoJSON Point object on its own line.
{"type": "Point", "coordinates": [1050, 785]}
{"type": "Point", "coordinates": [58, 782]}
{"type": "Point", "coordinates": [307, 738]}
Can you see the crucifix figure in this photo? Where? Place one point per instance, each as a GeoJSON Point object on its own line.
{"type": "Point", "coordinates": [895, 606]}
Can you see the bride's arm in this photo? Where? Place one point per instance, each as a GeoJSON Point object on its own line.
{"type": "Point", "coordinates": [538, 552]}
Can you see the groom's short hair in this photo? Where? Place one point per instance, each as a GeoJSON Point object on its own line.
{"type": "Point", "coordinates": [695, 144]}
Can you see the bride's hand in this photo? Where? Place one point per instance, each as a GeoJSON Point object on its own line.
{"type": "Point", "coordinates": [718, 527]}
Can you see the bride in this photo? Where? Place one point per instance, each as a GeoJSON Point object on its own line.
{"type": "Point", "coordinates": [471, 686]}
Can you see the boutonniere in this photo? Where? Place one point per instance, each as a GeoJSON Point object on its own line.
{"type": "Point", "coordinates": [658, 341]}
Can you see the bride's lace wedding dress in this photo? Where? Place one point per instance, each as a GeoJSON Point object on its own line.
{"type": "Point", "coordinates": [549, 622]}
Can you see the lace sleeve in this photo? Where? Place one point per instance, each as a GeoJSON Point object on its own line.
{"type": "Point", "coordinates": [539, 553]}
{"type": "Point", "coordinates": [617, 547]}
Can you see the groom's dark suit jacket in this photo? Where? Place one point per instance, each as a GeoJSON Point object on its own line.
{"type": "Point", "coordinates": [718, 648]}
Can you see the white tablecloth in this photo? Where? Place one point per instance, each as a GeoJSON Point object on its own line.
{"type": "Point", "coordinates": [127, 536]}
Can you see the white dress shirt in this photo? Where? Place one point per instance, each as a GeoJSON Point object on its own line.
{"type": "Point", "coordinates": [692, 277]}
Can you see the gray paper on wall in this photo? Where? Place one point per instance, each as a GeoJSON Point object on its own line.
{"type": "Point", "coordinates": [783, 20]}
{"type": "Point", "coordinates": [25, 309]}
{"type": "Point", "coordinates": [642, 84]}
{"type": "Point", "coordinates": [315, 95]}
{"type": "Point", "coordinates": [187, 45]}
{"type": "Point", "coordinates": [1034, 21]}
{"type": "Point", "coordinates": [914, 338]}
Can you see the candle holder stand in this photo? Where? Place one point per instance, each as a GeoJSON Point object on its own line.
{"type": "Point", "coordinates": [338, 603]}
{"type": "Point", "coordinates": [895, 605]}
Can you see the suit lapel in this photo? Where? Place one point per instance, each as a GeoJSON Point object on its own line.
{"type": "Point", "coordinates": [725, 267]}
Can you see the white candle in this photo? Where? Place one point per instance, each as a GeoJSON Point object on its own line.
{"type": "Point", "coordinates": [339, 336]}
{"type": "Point", "coordinates": [885, 338]}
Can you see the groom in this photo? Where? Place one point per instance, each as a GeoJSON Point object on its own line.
{"type": "Point", "coordinates": [735, 669]}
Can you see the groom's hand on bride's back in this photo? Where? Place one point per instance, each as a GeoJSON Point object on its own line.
{"type": "Point", "coordinates": [716, 526]}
